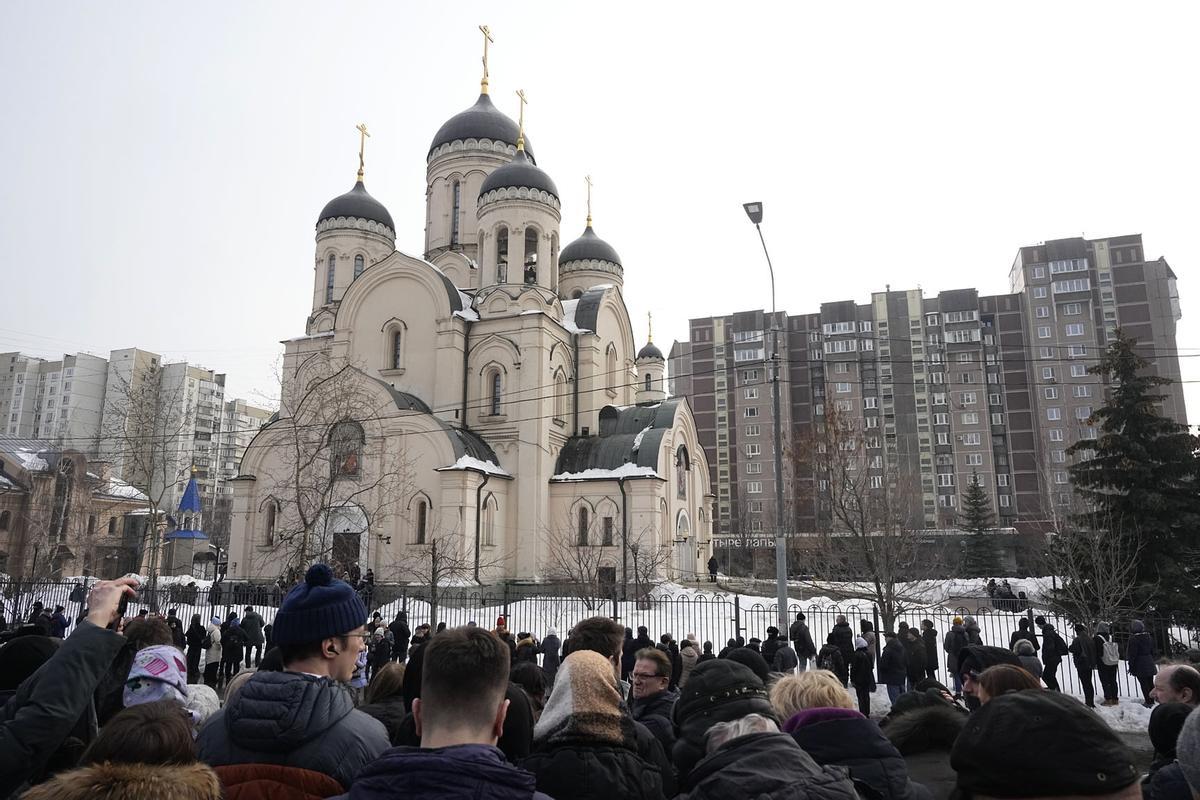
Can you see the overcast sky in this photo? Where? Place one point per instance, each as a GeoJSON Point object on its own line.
{"type": "Point", "coordinates": [162, 165]}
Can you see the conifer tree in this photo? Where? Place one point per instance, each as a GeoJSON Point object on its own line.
{"type": "Point", "coordinates": [1140, 478]}
{"type": "Point", "coordinates": [979, 557]}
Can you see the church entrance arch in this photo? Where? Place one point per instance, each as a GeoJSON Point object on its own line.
{"type": "Point", "coordinates": [346, 537]}
{"type": "Point", "coordinates": [684, 568]}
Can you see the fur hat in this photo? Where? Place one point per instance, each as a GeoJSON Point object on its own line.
{"type": "Point", "coordinates": [1024, 647]}
{"type": "Point", "coordinates": [860, 643]}
{"type": "Point", "coordinates": [716, 691]}
{"type": "Point", "coordinates": [144, 781]}
{"type": "Point", "coordinates": [22, 656]}
{"type": "Point", "coordinates": [1063, 747]}
{"type": "Point", "coordinates": [320, 607]}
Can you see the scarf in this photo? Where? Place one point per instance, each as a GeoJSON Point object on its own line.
{"type": "Point", "coordinates": [585, 705]}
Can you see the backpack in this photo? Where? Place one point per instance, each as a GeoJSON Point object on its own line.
{"type": "Point", "coordinates": [1110, 654]}
{"type": "Point", "coordinates": [208, 642]}
{"type": "Point", "coordinates": [826, 660]}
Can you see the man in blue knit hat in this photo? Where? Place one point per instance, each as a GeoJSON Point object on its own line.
{"type": "Point", "coordinates": [303, 717]}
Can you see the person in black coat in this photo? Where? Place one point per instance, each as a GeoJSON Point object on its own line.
{"type": "Point", "coordinates": [1083, 654]}
{"type": "Point", "coordinates": [862, 675]}
{"type": "Point", "coordinates": [929, 637]}
{"type": "Point", "coordinates": [1053, 651]}
{"type": "Point", "coordinates": [1139, 653]}
{"type": "Point", "coordinates": [1024, 631]}
{"type": "Point", "coordinates": [914, 658]}
{"type": "Point", "coordinates": [1165, 780]}
{"type": "Point", "coordinates": [843, 637]}
{"type": "Point", "coordinates": [770, 645]}
{"type": "Point", "coordinates": [549, 649]}
{"type": "Point", "coordinates": [194, 639]}
{"type": "Point", "coordinates": [846, 738]}
{"type": "Point", "coordinates": [802, 641]}
{"type": "Point", "coordinates": [400, 636]}
{"type": "Point", "coordinates": [892, 666]}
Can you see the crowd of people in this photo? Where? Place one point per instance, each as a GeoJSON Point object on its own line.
{"type": "Point", "coordinates": [329, 701]}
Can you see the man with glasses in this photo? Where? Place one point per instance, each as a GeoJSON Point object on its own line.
{"type": "Point", "coordinates": [653, 698]}
{"type": "Point", "coordinates": [303, 717]}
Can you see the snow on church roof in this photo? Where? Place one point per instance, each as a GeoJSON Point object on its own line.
{"type": "Point", "coordinates": [623, 471]}
{"type": "Point", "coordinates": [569, 308]}
{"type": "Point", "coordinates": [477, 465]}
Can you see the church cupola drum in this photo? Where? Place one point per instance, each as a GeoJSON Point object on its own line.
{"type": "Point", "coordinates": [588, 261]}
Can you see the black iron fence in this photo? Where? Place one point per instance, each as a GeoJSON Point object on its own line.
{"type": "Point", "coordinates": [711, 617]}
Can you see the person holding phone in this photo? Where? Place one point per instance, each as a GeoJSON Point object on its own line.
{"type": "Point", "coordinates": [46, 707]}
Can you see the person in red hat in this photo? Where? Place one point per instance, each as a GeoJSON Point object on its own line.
{"type": "Point", "coordinates": [502, 631]}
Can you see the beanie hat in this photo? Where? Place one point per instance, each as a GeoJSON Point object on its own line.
{"type": "Point", "coordinates": [750, 659]}
{"type": "Point", "coordinates": [1187, 751]}
{"type": "Point", "coordinates": [1137, 626]}
{"type": "Point", "coordinates": [1065, 749]}
{"type": "Point", "coordinates": [859, 643]}
{"type": "Point", "coordinates": [1024, 647]}
{"type": "Point", "coordinates": [22, 656]}
{"type": "Point", "coordinates": [957, 621]}
{"type": "Point", "coordinates": [500, 622]}
{"type": "Point", "coordinates": [319, 608]}
{"type": "Point", "coordinates": [1166, 721]}
{"type": "Point", "coordinates": [716, 691]}
{"type": "Point", "coordinates": [978, 657]}
{"type": "Point", "coordinates": [158, 673]}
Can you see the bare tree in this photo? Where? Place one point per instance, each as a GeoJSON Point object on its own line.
{"type": "Point", "coordinates": [146, 434]}
{"type": "Point", "coordinates": [870, 540]}
{"type": "Point", "coordinates": [1097, 574]}
{"type": "Point", "coordinates": [334, 480]}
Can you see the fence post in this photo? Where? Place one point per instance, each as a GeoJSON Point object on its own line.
{"type": "Point", "coordinates": [878, 633]}
{"type": "Point", "coordinates": [404, 600]}
{"type": "Point", "coordinates": [506, 602]}
{"type": "Point", "coordinates": [616, 614]}
{"type": "Point", "coordinates": [737, 615]}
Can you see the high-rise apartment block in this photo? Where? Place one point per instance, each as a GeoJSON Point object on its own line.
{"type": "Point", "coordinates": [943, 389]}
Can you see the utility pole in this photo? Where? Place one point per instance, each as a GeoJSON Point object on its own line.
{"type": "Point", "coordinates": [755, 212]}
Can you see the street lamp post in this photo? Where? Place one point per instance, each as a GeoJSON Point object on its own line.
{"type": "Point", "coordinates": [755, 212]}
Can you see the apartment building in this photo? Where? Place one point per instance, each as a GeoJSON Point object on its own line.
{"type": "Point", "coordinates": [944, 389]}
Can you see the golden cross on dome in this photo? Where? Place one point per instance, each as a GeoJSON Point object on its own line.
{"type": "Point", "coordinates": [487, 37]}
{"type": "Point", "coordinates": [521, 120]}
{"type": "Point", "coordinates": [649, 327]}
{"type": "Point", "coordinates": [362, 145]}
{"type": "Point", "coordinates": [588, 179]}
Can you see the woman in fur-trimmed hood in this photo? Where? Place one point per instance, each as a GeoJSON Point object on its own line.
{"type": "Point", "coordinates": [109, 781]}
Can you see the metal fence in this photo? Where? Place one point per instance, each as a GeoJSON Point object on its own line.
{"type": "Point", "coordinates": [713, 617]}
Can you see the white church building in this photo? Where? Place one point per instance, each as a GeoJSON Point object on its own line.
{"type": "Point", "coordinates": [493, 385]}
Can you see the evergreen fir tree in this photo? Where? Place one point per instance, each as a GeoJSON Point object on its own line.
{"type": "Point", "coordinates": [980, 558]}
{"type": "Point", "coordinates": [1140, 477]}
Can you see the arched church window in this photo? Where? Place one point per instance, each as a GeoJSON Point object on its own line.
{"type": "Point", "coordinates": [683, 465]}
{"type": "Point", "coordinates": [359, 264]}
{"type": "Point", "coordinates": [648, 381]}
{"type": "Point", "coordinates": [5, 517]}
{"type": "Point", "coordinates": [583, 527]}
{"type": "Point", "coordinates": [531, 243]}
{"type": "Point", "coordinates": [560, 396]}
{"type": "Point", "coordinates": [502, 255]}
{"type": "Point", "coordinates": [112, 526]}
{"type": "Point", "coordinates": [272, 518]}
{"type": "Point", "coordinates": [489, 521]}
{"type": "Point", "coordinates": [329, 278]}
{"type": "Point", "coordinates": [576, 294]}
{"type": "Point", "coordinates": [610, 369]}
{"type": "Point", "coordinates": [60, 515]}
{"type": "Point", "coordinates": [346, 443]}
{"type": "Point", "coordinates": [422, 520]}
{"type": "Point", "coordinates": [455, 208]}
{"type": "Point", "coordinates": [496, 394]}
{"type": "Point", "coordinates": [397, 353]}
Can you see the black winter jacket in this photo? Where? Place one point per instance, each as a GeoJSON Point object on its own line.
{"type": "Point", "coordinates": [914, 657]}
{"type": "Point", "coordinates": [655, 713]}
{"type": "Point", "coordinates": [802, 639]}
{"type": "Point", "coordinates": [294, 720]}
{"type": "Point", "coordinates": [1166, 783]}
{"type": "Point", "coordinates": [770, 647]}
{"type": "Point", "coordinates": [767, 766]}
{"type": "Point", "coordinates": [862, 672]}
{"type": "Point", "coordinates": [391, 713]}
{"type": "Point", "coordinates": [587, 771]}
{"type": "Point", "coordinates": [447, 773]}
{"type": "Point", "coordinates": [843, 637]}
{"type": "Point", "coordinates": [859, 745]}
{"type": "Point", "coordinates": [49, 703]}
{"type": "Point", "coordinates": [892, 664]}
{"type": "Point", "coordinates": [929, 637]}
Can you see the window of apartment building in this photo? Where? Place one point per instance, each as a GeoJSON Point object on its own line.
{"type": "Point", "coordinates": [1042, 312]}
{"type": "Point", "coordinates": [935, 358]}
{"type": "Point", "coordinates": [876, 481]}
{"type": "Point", "coordinates": [844, 405]}
{"type": "Point", "coordinates": [1050, 392]}
{"type": "Point", "coordinates": [1072, 309]}
{"type": "Point", "coordinates": [1056, 434]}
{"type": "Point", "coordinates": [994, 399]}
{"type": "Point", "coordinates": [1073, 285]}
{"type": "Point", "coordinates": [756, 506]}
{"type": "Point", "coordinates": [1083, 413]}
{"type": "Point", "coordinates": [1075, 329]}
{"type": "Point", "coordinates": [939, 398]}
{"type": "Point", "coordinates": [970, 418]}
{"type": "Point", "coordinates": [1076, 351]}
{"type": "Point", "coordinates": [752, 430]}
{"type": "Point", "coordinates": [751, 394]}
{"type": "Point", "coordinates": [756, 526]}
{"type": "Point", "coordinates": [1060, 477]}
{"type": "Point", "coordinates": [749, 375]}
{"type": "Point", "coordinates": [941, 419]}
{"type": "Point", "coordinates": [961, 316]}
{"type": "Point", "coordinates": [872, 422]}
{"type": "Point", "coordinates": [841, 388]}
{"type": "Point", "coordinates": [1058, 456]}
{"type": "Point", "coordinates": [1053, 413]}
{"type": "Point", "coordinates": [841, 367]}
{"type": "Point", "coordinates": [997, 419]}
{"type": "Point", "coordinates": [972, 439]}
{"type": "Point", "coordinates": [750, 411]}
{"type": "Point", "coordinates": [753, 354]}
{"type": "Point", "coordinates": [870, 402]}
{"type": "Point", "coordinates": [753, 450]}
{"type": "Point", "coordinates": [1046, 352]}
{"type": "Point", "coordinates": [947, 501]}
{"type": "Point", "coordinates": [966, 377]}
{"type": "Point", "coordinates": [965, 358]}
{"type": "Point", "coordinates": [1005, 501]}
{"type": "Point", "coordinates": [747, 336]}
{"type": "Point", "coordinates": [1002, 479]}
{"type": "Point", "coordinates": [1039, 272]}
{"type": "Point", "coordinates": [753, 487]}
{"type": "Point", "coordinates": [943, 438]}
{"type": "Point", "coordinates": [1078, 370]}
{"type": "Point", "coordinates": [1039, 292]}
{"type": "Point", "coordinates": [974, 459]}
{"type": "Point", "coordinates": [1062, 499]}
{"type": "Point", "coordinates": [876, 462]}
{"type": "Point", "coordinates": [1047, 373]}
{"type": "Point", "coordinates": [937, 377]}
{"type": "Point", "coordinates": [931, 319]}
{"type": "Point", "coordinates": [967, 398]}
{"type": "Point", "coordinates": [945, 460]}
{"type": "Point", "coordinates": [868, 344]}
{"type": "Point", "coordinates": [838, 327]}
{"type": "Point", "coordinates": [945, 479]}
{"type": "Point", "coordinates": [1081, 391]}
{"type": "Point", "coordinates": [1087, 433]}
{"type": "Point", "coordinates": [819, 409]}
{"type": "Point", "coordinates": [754, 468]}
{"type": "Point", "coordinates": [865, 326]}
{"type": "Point", "coordinates": [1043, 332]}
{"type": "Point", "coordinates": [873, 443]}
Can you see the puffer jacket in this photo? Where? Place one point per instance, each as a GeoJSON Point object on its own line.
{"type": "Point", "coordinates": [143, 781]}
{"type": "Point", "coordinates": [294, 720]}
{"type": "Point", "coordinates": [390, 711]}
{"type": "Point", "coordinates": [953, 643]}
{"type": "Point", "coordinates": [655, 713]}
{"type": "Point", "coordinates": [843, 638]}
{"type": "Point", "coordinates": [274, 782]}
{"type": "Point", "coordinates": [767, 765]}
{"type": "Point", "coordinates": [588, 771]}
{"type": "Point", "coordinates": [689, 656]}
{"type": "Point", "coordinates": [1139, 653]}
{"type": "Point", "coordinates": [469, 770]}
{"type": "Point", "coordinates": [892, 664]}
{"type": "Point", "coordinates": [846, 738]}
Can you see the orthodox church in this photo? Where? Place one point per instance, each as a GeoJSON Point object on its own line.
{"type": "Point", "coordinates": [500, 369]}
